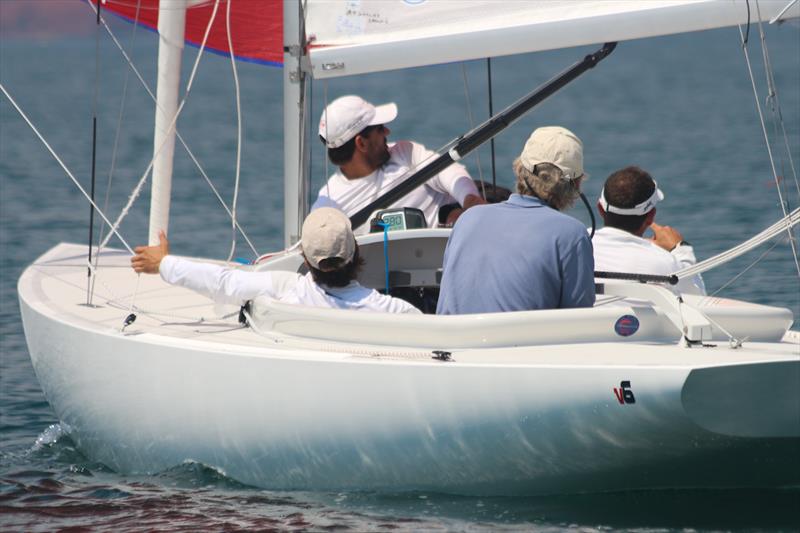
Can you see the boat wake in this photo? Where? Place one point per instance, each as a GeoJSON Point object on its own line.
{"type": "Point", "coordinates": [50, 436]}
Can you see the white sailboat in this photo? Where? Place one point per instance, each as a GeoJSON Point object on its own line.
{"type": "Point", "coordinates": [525, 402]}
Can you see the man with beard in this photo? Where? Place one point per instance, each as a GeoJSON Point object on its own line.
{"type": "Point", "coordinates": [355, 133]}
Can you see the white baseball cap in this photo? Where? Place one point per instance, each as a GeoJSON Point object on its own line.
{"type": "Point", "coordinates": [557, 146]}
{"type": "Point", "coordinates": [346, 116]}
{"type": "Point", "coordinates": [639, 209]}
{"type": "Point", "coordinates": [327, 234]}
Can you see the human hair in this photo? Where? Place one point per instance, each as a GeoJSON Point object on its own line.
{"type": "Point", "coordinates": [343, 154]}
{"type": "Point", "coordinates": [336, 272]}
{"type": "Point", "coordinates": [548, 184]}
{"type": "Point", "coordinates": [625, 189]}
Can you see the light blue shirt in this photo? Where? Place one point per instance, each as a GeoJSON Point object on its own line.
{"type": "Point", "coordinates": [514, 256]}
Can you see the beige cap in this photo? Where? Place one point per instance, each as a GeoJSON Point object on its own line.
{"type": "Point", "coordinates": [345, 117]}
{"type": "Point", "coordinates": [557, 146]}
{"type": "Point", "coordinates": [327, 234]}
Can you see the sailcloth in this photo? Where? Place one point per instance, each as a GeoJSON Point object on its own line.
{"type": "Point", "coordinates": [256, 25]}
{"type": "Point", "coordinates": [360, 36]}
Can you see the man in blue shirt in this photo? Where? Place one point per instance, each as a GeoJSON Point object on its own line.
{"type": "Point", "coordinates": [524, 253]}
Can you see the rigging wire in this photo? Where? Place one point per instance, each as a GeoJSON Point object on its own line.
{"type": "Point", "coordinates": [769, 147]}
{"type": "Point", "coordinates": [116, 141]}
{"type": "Point", "coordinates": [177, 133]}
{"type": "Point", "coordinates": [774, 101]}
{"type": "Point", "coordinates": [491, 114]}
{"type": "Point", "coordinates": [63, 166]}
{"type": "Point", "coordinates": [94, 151]}
{"type": "Point", "coordinates": [472, 125]}
{"type": "Point", "coordinates": [238, 131]}
{"type": "Point", "coordinates": [325, 144]}
{"type": "Point", "coordinates": [740, 274]}
{"type": "Point", "coordinates": [137, 190]}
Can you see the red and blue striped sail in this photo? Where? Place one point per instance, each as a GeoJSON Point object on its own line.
{"type": "Point", "coordinates": [256, 25]}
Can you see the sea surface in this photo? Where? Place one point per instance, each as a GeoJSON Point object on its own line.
{"type": "Point", "coordinates": [681, 107]}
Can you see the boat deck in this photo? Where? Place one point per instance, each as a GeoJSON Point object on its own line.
{"type": "Point", "coordinates": [57, 282]}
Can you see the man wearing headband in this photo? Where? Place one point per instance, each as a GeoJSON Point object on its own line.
{"type": "Point", "coordinates": [355, 132]}
{"type": "Point", "coordinates": [524, 253]}
{"type": "Point", "coordinates": [627, 205]}
{"type": "Point", "coordinates": [331, 255]}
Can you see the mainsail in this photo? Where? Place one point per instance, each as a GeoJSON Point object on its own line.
{"type": "Point", "coordinates": [361, 36]}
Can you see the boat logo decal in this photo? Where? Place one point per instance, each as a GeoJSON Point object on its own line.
{"type": "Point", "coordinates": [626, 325]}
{"type": "Point", "coordinates": [624, 393]}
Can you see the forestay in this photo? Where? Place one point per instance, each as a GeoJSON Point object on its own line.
{"type": "Point", "coordinates": [361, 36]}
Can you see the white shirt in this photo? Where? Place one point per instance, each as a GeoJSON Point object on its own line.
{"type": "Point", "coordinates": [616, 250]}
{"type": "Point", "coordinates": [229, 286]}
{"type": "Point", "coordinates": [449, 186]}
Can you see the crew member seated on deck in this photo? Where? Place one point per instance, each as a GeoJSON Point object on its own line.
{"type": "Point", "coordinates": [331, 255]}
{"type": "Point", "coordinates": [524, 253]}
{"type": "Point", "coordinates": [355, 132]}
{"type": "Point", "coordinates": [627, 205]}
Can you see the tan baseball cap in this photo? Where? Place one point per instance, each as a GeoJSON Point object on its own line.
{"type": "Point", "coordinates": [345, 117]}
{"type": "Point", "coordinates": [327, 234]}
{"type": "Point", "coordinates": [557, 146]}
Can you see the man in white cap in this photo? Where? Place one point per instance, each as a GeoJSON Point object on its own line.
{"type": "Point", "coordinates": [355, 133]}
{"type": "Point", "coordinates": [627, 205]}
{"type": "Point", "coordinates": [330, 252]}
{"type": "Point", "coordinates": [523, 253]}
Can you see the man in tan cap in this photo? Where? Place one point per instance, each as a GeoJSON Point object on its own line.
{"type": "Point", "coordinates": [355, 132]}
{"type": "Point", "coordinates": [330, 252]}
{"type": "Point", "coordinates": [524, 253]}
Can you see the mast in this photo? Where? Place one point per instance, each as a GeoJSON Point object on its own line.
{"type": "Point", "coordinates": [171, 26]}
{"type": "Point", "coordinates": [295, 156]}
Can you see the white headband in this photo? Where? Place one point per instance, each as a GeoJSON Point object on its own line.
{"type": "Point", "coordinates": [639, 209]}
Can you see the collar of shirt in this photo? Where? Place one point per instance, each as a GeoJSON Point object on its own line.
{"type": "Point", "coordinates": [522, 200]}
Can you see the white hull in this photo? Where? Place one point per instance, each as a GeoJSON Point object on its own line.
{"type": "Point", "coordinates": [290, 413]}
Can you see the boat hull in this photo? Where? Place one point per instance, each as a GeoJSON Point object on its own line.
{"type": "Point", "coordinates": [283, 412]}
{"type": "Point", "coordinates": [306, 421]}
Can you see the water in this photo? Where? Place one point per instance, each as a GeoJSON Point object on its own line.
{"type": "Point", "coordinates": [681, 107]}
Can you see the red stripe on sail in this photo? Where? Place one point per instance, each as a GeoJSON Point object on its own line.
{"type": "Point", "coordinates": [256, 25]}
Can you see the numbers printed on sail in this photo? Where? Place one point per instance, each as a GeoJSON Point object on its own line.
{"type": "Point", "coordinates": [624, 393]}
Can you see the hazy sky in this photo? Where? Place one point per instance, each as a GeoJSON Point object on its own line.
{"type": "Point", "coordinates": [42, 19]}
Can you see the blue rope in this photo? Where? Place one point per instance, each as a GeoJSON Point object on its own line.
{"type": "Point", "coordinates": [386, 251]}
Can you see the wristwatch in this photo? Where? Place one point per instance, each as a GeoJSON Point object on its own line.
{"type": "Point", "coordinates": [682, 243]}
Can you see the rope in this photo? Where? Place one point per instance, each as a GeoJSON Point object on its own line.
{"type": "Point", "coordinates": [784, 224]}
{"type": "Point", "coordinates": [238, 131]}
{"type": "Point", "coordinates": [385, 227]}
{"type": "Point", "coordinates": [177, 133]}
{"type": "Point", "coordinates": [769, 148]}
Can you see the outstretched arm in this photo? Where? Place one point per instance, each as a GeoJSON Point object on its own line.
{"type": "Point", "coordinates": [221, 284]}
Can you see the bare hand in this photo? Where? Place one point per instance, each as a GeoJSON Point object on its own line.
{"type": "Point", "coordinates": [148, 258]}
{"type": "Point", "coordinates": [666, 237]}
